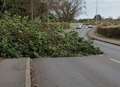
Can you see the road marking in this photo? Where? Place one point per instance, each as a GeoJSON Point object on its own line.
{"type": "Point", "coordinates": [114, 60]}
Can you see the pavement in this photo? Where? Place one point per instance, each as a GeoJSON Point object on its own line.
{"type": "Point", "coordinates": [92, 71]}
{"type": "Point", "coordinates": [12, 73]}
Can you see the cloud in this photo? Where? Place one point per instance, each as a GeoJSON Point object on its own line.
{"type": "Point", "coordinates": [106, 8]}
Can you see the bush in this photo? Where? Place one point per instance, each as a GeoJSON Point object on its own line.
{"type": "Point", "coordinates": [20, 37]}
{"type": "Point", "coordinates": [109, 31]}
{"type": "Point", "coordinates": [52, 25]}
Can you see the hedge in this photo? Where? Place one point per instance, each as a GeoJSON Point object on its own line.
{"type": "Point", "coordinates": [109, 31]}
{"type": "Point", "coordinates": [53, 25]}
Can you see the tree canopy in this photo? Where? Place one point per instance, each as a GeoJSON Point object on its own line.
{"type": "Point", "coordinates": [62, 10]}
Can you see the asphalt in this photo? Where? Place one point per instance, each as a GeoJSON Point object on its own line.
{"type": "Point", "coordinates": [92, 71]}
{"type": "Point", "coordinates": [109, 50]}
{"type": "Point", "coordinates": [12, 73]}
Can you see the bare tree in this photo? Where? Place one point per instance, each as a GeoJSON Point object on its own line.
{"type": "Point", "coordinates": [66, 10]}
{"type": "Point", "coordinates": [63, 10]}
{"type": "Point", "coordinates": [38, 9]}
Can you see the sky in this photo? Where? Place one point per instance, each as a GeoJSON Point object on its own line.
{"type": "Point", "coordinates": [106, 8]}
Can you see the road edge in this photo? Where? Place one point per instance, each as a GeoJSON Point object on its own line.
{"type": "Point", "coordinates": [27, 73]}
{"type": "Point", "coordinates": [91, 34]}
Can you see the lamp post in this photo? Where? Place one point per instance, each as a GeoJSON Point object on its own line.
{"type": "Point", "coordinates": [96, 11]}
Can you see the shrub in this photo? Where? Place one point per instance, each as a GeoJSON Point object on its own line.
{"type": "Point", "coordinates": [20, 37]}
{"type": "Point", "coordinates": [109, 31]}
{"type": "Point", "coordinates": [52, 25]}
{"type": "Point", "coordinates": [17, 37]}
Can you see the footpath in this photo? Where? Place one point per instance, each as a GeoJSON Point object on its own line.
{"type": "Point", "coordinates": [12, 72]}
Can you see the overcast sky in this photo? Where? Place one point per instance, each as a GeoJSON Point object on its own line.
{"type": "Point", "coordinates": [107, 8]}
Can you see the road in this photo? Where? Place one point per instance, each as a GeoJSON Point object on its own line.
{"type": "Point", "coordinates": [92, 71]}
{"type": "Point", "coordinates": [110, 50]}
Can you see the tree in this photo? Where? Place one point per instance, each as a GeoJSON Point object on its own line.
{"type": "Point", "coordinates": [98, 17]}
{"type": "Point", "coordinates": [12, 6]}
{"type": "Point", "coordinates": [109, 18]}
{"type": "Point", "coordinates": [38, 9]}
{"type": "Point", "coordinates": [31, 8]}
{"type": "Point", "coordinates": [63, 10]}
{"type": "Point", "coordinates": [66, 10]}
{"type": "Point", "coordinates": [118, 18]}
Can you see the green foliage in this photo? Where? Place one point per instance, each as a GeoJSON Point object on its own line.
{"type": "Point", "coordinates": [103, 22]}
{"type": "Point", "coordinates": [55, 25]}
{"type": "Point", "coordinates": [12, 6]}
{"type": "Point", "coordinates": [88, 21]}
{"type": "Point", "coordinates": [109, 31]}
{"type": "Point", "coordinates": [20, 37]}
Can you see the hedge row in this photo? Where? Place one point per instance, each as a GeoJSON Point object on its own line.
{"type": "Point", "coordinates": [109, 31]}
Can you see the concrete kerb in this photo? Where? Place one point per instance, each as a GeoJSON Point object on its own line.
{"type": "Point", "coordinates": [28, 73]}
{"type": "Point", "coordinates": [91, 35]}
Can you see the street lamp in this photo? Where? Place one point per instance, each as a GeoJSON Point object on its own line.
{"type": "Point", "coordinates": [96, 11]}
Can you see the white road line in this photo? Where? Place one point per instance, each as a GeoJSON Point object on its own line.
{"type": "Point", "coordinates": [114, 60]}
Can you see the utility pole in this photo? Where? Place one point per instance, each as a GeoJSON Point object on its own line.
{"type": "Point", "coordinates": [96, 11]}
